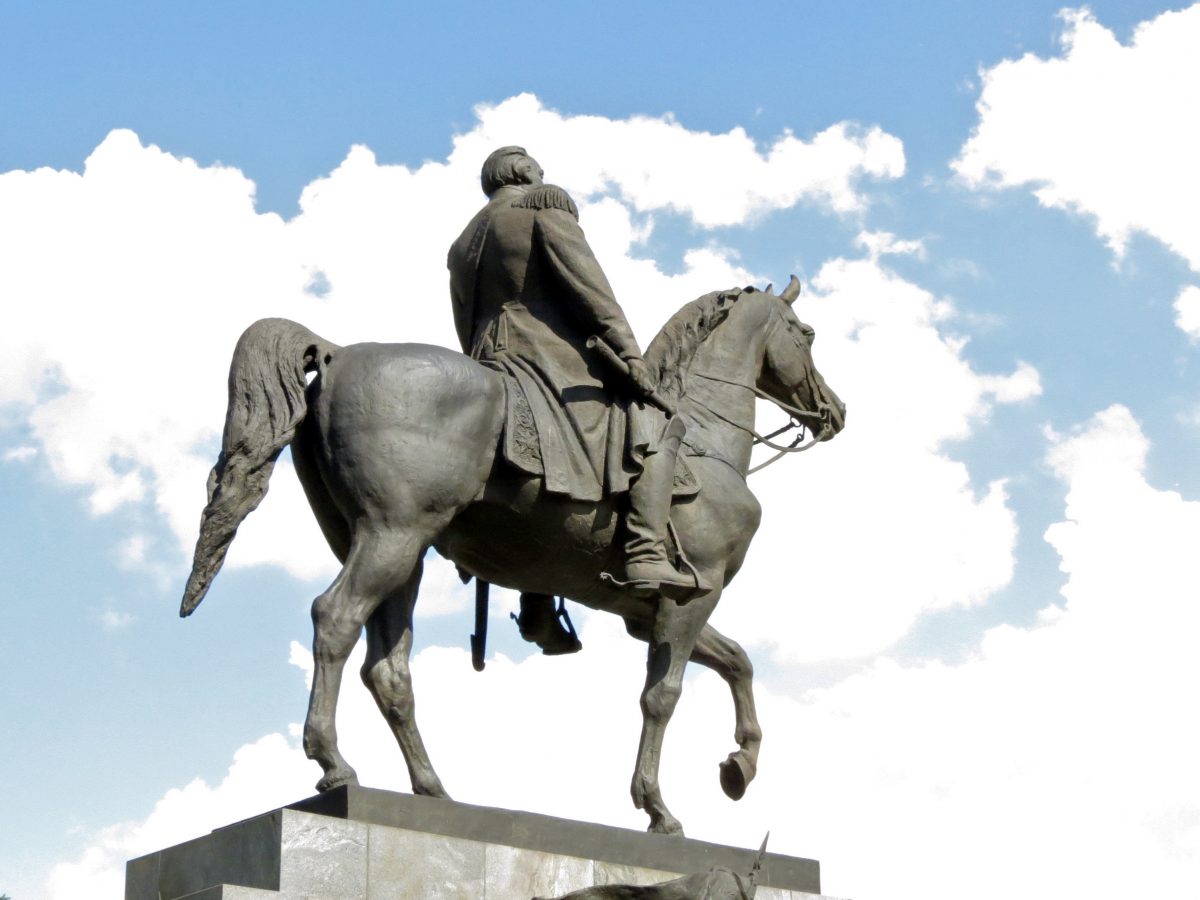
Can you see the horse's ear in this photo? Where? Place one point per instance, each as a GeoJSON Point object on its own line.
{"type": "Point", "coordinates": [791, 292]}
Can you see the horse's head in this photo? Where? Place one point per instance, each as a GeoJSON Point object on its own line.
{"type": "Point", "coordinates": [788, 374]}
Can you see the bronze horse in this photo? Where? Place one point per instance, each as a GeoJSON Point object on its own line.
{"type": "Point", "coordinates": [396, 447]}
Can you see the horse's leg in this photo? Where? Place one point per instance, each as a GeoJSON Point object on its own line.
{"type": "Point", "coordinates": [672, 637]}
{"type": "Point", "coordinates": [380, 562]}
{"type": "Point", "coordinates": [726, 657]}
{"type": "Point", "coordinates": [386, 674]}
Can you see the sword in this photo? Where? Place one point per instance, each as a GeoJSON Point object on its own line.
{"type": "Point", "coordinates": [595, 342]}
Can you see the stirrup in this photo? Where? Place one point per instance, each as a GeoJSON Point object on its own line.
{"type": "Point", "coordinates": [555, 635]}
{"type": "Point", "coordinates": [680, 591]}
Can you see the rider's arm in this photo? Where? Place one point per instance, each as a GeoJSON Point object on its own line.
{"type": "Point", "coordinates": [463, 318]}
{"type": "Point", "coordinates": [571, 259]}
{"type": "Point", "coordinates": [462, 296]}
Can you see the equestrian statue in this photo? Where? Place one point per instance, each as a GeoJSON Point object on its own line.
{"type": "Point", "coordinates": [551, 457]}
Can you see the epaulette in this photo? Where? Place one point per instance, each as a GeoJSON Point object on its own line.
{"type": "Point", "coordinates": [547, 196]}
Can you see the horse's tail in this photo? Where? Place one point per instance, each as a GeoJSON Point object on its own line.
{"type": "Point", "coordinates": [266, 406]}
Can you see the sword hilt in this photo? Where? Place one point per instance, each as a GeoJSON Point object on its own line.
{"type": "Point", "coordinates": [595, 342]}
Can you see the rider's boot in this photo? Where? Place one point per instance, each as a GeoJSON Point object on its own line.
{"type": "Point", "coordinates": [646, 563]}
{"type": "Point", "coordinates": [540, 624]}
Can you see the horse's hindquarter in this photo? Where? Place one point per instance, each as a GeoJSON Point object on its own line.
{"type": "Point", "coordinates": [403, 430]}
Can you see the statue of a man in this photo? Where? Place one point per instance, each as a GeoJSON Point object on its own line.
{"type": "Point", "coordinates": [528, 294]}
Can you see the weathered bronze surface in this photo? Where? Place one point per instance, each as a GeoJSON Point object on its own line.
{"type": "Point", "coordinates": [521, 463]}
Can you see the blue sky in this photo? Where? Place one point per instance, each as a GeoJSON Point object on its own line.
{"type": "Point", "coordinates": [993, 210]}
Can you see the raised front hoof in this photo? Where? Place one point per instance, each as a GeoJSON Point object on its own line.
{"type": "Point", "coordinates": [736, 775]}
{"type": "Point", "coordinates": [336, 779]}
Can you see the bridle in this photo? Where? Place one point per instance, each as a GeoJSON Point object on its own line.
{"type": "Point", "coordinates": [795, 413]}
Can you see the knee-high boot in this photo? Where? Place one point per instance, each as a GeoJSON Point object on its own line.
{"type": "Point", "coordinates": [646, 562]}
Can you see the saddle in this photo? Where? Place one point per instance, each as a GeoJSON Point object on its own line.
{"type": "Point", "coordinates": [520, 443]}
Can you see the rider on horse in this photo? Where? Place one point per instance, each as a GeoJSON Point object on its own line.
{"type": "Point", "coordinates": [582, 414]}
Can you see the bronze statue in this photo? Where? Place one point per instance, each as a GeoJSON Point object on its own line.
{"type": "Point", "coordinates": [531, 301]}
{"type": "Point", "coordinates": [401, 447]}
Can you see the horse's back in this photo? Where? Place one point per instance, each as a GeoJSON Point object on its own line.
{"type": "Point", "coordinates": [402, 429]}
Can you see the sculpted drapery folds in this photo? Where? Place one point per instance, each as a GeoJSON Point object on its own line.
{"type": "Point", "coordinates": [528, 293]}
{"type": "Point", "coordinates": [396, 448]}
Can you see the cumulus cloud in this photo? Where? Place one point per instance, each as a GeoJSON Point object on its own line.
{"type": "Point", "coordinates": [715, 179]}
{"type": "Point", "coordinates": [884, 243]}
{"type": "Point", "coordinates": [1053, 746]}
{"type": "Point", "coordinates": [112, 620]}
{"type": "Point", "coordinates": [862, 535]}
{"type": "Point", "coordinates": [1104, 129]}
{"type": "Point", "coordinates": [169, 261]}
{"type": "Point", "coordinates": [263, 775]}
{"type": "Point", "coordinates": [20, 454]}
{"type": "Point", "coordinates": [1187, 311]}
{"type": "Point", "coordinates": [130, 281]}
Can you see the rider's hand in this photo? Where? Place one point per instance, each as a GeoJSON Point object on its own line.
{"type": "Point", "coordinates": [639, 374]}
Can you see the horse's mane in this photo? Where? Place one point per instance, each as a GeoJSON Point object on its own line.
{"type": "Point", "coordinates": [671, 351]}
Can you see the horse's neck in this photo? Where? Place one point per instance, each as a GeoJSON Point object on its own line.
{"type": "Point", "coordinates": [718, 386]}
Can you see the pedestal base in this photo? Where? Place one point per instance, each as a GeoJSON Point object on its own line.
{"type": "Point", "coordinates": [362, 844]}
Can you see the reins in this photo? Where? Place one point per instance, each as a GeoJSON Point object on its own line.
{"type": "Point", "coordinates": [793, 414]}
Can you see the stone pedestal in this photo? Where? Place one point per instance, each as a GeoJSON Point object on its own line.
{"type": "Point", "coordinates": [362, 844]}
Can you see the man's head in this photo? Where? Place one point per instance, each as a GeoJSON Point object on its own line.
{"type": "Point", "coordinates": [509, 165]}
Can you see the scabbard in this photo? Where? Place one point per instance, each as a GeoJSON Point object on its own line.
{"type": "Point", "coordinates": [479, 638]}
{"type": "Point", "coordinates": [609, 355]}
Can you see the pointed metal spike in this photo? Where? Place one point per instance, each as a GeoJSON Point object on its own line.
{"type": "Point", "coordinates": [762, 851]}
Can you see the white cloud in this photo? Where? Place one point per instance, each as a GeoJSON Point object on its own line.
{"type": "Point", "coordinates": [264, 775]}
{"type": "Point", "coordinates": [884, 243]}
{"type": "Point", "coordinates": [157, 264]}
{"type": "Point", "coordinates": [129, 284]}
{"type": "Point", "coordinates": [169, 261]}
{"type": "Point", "coordinates": [864, 534]}
{"type": "Point", "coordinates": [442, 591]}
{"type": "Point", "coordinates": [112, 620]}
{"type": "Point", "coordinates": [1023, 384]}
{"type": "Point", "coordinates": [20, 454]}
{"type": "Point", "coordinates": [133, 551]}
{"type": "Point", "coordinates": [1187, 311]}
{"type": "Point", "coordinates": [716, 179]}
{"type": "Point", "coordinates": [1104, 129]}
{"type": "Point", "coordinates": [1056, 745]}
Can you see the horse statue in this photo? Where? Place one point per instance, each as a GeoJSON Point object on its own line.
{"type": "Point", "coordinates": [396, 446]}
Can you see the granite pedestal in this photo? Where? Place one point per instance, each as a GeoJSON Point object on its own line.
{"type": "Point", "coordinates": [361, 844]}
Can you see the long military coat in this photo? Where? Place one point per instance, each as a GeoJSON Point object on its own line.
{"type": "Point", "coordinates": [527, 294]}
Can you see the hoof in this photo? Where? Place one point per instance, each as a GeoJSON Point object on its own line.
{"type": "Point", "coordinates": [736, 774]}
{"type": "Point", "coordinates": [667, 824]}
{"type": "Point", "coordinates": [431, 790]}
{"type": "Point", "coordinates": [336, 779]}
